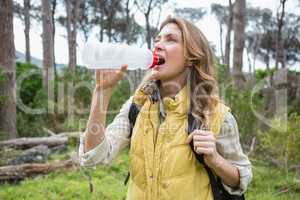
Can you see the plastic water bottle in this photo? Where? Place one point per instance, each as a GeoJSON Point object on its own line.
{"type": "Point", "coordinates": [96, 55]}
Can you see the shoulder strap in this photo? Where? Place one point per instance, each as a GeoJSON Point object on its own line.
{"type": "Point", "coordinates": [218, 189]}
{"type": "Point", "coordinates": [134, 111]}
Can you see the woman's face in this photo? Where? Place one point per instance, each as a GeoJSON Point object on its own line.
{"type": "Point", "coordinates": [169, 45]}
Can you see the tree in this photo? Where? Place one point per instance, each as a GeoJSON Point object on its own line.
{"type": "Point", "coordinates": [221, 13]}
{"type": "Point", "coordinates": [228, 36]}
{"type": "Point", "coordinates": [224, 15]}
{"type": "Point", "coordinates": [25, 12]}
{"type": "Point", "coordinates": [262, 35]}
{"type": "Point", "coordinates": [147, 8]}
{"type": "Point", "coordinates": [7, 66]}
{"type": "Point", "coordinates": [279, 41]}
{"type": "Point", "coordinates": [114, 20]}
{"type": "Point", "coordinates": [132, 29]}
{"type": "Point", "coordinates": [53, 10]}
{"type": "Point", "coordinates": [192, 14]}
{"type": "Point", "coordinates": [72, 10]}
{"type": "Point", "coordinates": [84, 20]}
{"type": "Point", "coordinates": [48, 56]}
{"type": "Point", "coordinates": [258, 37]}
{"type": "Point", "coordinates": [239, 43]}
{"type": "Point", "coordinates": [27, 28]}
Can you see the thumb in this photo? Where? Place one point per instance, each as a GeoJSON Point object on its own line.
{"type": "Point", "coordinates": [121, 72]}
{"type": "Point", "coordinates": [189, 138]}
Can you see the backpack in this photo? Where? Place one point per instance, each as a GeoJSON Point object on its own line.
{"type": "Point", "coordinates": [218, 190]}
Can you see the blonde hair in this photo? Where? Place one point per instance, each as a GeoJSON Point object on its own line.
{"type": "Point", "coordinates": [202, 79]}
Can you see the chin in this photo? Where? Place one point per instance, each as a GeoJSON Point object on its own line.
{"type": "Point", "coordinates": [165, 77]}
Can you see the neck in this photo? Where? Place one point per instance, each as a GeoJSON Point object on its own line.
{"type": "Point", "coordinates": [170, 88]}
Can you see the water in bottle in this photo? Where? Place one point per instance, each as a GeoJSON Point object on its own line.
{"type": "Point", "coordinates": [96, 55]}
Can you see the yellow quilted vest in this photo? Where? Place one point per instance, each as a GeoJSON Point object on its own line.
{"type": "Point", "coordinates": [161, 164]}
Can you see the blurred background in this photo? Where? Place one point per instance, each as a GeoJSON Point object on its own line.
{"type": "Point", "coordinates": [45, 90]}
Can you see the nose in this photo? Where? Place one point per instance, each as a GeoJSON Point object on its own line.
{"type": "Point", "coordinates": [158, 46]}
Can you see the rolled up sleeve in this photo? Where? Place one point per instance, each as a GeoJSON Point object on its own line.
{"type": "Point", "coordinates": [116, 138]}
{"type": "Point", "coordinates": [228, 145]}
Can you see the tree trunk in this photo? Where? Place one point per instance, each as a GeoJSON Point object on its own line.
{"type": "Point", "coordinates": [128, 22]}
{"type": "Point", "coordinates": [221, 42]}
{"type": "Point", "coordinates": [148, 32]}
{"type": "Point", "coordinates": [279, 41]}
{"type": "Point", "coordinates": [72, 9]}
{"type": "Point", "coordinates": [228, 36]}
{"type": "Point", "coordinates": [27, 29]}
{"type": "Point", "coordinates": [25, 143]}
{"type": "Point", "coordinates": [19, 172]}
{"type": "Point", "coordinates": [101, 26]}
{"type": "Point", "coordinates": [239, 43]}
{"type": "Point", "coordinates": [53, 9]}
{"type": "Point", "coordinates": [148, 27]}
{"type": "Point", "coordinates": [7, 66]}
{"type": "Point", "coordinates": [267, 60]}
{"type": "Point", "coordinates": [48, 60]}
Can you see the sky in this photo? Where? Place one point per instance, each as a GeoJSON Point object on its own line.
{"type": "Point", "coordinates": [208, 25]}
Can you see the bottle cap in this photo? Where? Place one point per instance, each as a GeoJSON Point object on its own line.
{"type": "Point", "coordinates": [155, 59]}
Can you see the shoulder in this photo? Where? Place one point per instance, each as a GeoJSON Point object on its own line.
{"type": "Point", "coordinates": [229, 125]}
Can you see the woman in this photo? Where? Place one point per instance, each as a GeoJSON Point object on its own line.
{"type": "Point", "coordinates": [162, 164]}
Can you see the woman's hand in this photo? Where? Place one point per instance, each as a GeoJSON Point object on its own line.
{"type": "Point", "coordinates": [205, 143]}
{"type": "Point", "coordinates": [109, 78]}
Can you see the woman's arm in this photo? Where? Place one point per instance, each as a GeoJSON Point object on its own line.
{"type": "Point", "coordinates": [205, 143]}
{"type": "Point", "coordinates": [96, 122]}
{"type": "Point", "coordinates": [224, 155]}
{"type": "Point", "coordinates": [225, 170]}
{"type": "Point", "coordinates": [106, 80]}
{"type": "Point", "coordinates": [115, 139]}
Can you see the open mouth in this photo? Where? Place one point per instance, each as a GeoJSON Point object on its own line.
{"type": "Point", "coordinates": [161, 60]}
{"type": "Point", "coordinates": [157, 60]}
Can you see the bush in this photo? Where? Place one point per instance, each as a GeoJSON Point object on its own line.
{"type": "Point", "coordinates": [283, 145]}
{"type": "Point", "coordinates": [32, 95]}
{"type": "Point", "coordinates": [241, 104]}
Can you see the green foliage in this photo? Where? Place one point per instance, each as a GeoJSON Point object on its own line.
{"type": "Point", "coordinates": [283, 145]}
{"type": "Point", "coordinates": [32, 81]}
{"type": "Point", "coordinates": [260, 74]}
{"type": "Point", "coordinates": [269, 183]}
{"type": "Point", "coordinates": [31, 95]}
{"type": "Point", "coordinates": [294, 106]}
{"type": "Point", "coordinates": [120, 95]}
{"type": "Point", "coordinates": [242, 104]}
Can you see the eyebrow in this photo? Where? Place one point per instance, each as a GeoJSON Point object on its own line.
{"type": "Point", "coordinates": [167, 35]}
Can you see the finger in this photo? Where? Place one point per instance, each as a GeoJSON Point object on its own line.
{"type": "Point", "coordinates": [203, 132]}
{"type": "Point", "coordinates": [206, 151]}
{"type": "Point", "coordinates": [204, 138]}
{"type": "Point", "coordinates": [124, 68]}
{"type": "Point", "coordinates": [121, 72]}
{"type": "Point", "coordinates": [189, 138]}
{"type": "Point", "coordinates": [204, 144]}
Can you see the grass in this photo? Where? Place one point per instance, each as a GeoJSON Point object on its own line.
{"type": "Point", "coordinates": [268, 184]}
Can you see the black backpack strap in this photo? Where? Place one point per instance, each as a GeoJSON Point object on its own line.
{"type": "Point", "coordinates": [134, 110]}
{"type": "Point", "coordinates": [218, 190]}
